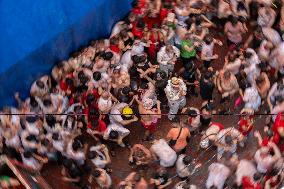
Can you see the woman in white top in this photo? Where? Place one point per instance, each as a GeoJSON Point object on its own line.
{"type": "Point", "coordinates": [252, 99]}
{"type": "Point", "coordinates": [164, 153]}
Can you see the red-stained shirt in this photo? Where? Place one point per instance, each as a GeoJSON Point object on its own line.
{"type": "Point", "coordinates": [114, 48]}
{"type": "Point", "coordinates": [221, 127]}
{"type": "Point", "coordinates": [62, 84]}
{"type": "Point", "coordinates": [84, 95]}
{"type": "Point", "coordinates": [248, 184]}
{"type": "Point", "coordinates": [101, 126]}
{"type": "Point", "coordinates": [277, 124]}
{"type": "Point", "coordinates": [137, 32]}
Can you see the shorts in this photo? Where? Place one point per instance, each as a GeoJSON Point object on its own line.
{"type": "Point", "coordinates": [152, 127]}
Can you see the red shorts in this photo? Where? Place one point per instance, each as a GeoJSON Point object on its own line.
{"type": "Point", "coordinates": [152, 127]}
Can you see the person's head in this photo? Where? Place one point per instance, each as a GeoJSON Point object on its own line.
{"type": "Point", "coordinates": [93, 113]}
{"type": "Point", "coordinates": [113, 134]}
{"type": "Point", "coordinates": [234, 20]}
{"type": "Point", "coordinates": [95, 123]}
{"type": "Point", "coordinates": [169, 49]}
{"type": "Point", "coordinates": [264, 151]}
{"type": "Point", "coordinates": [69, 81]}
{"type": "Point", "coordinates": [248, 54]}
{"type": "Point", "coordinates": [32, 138]}
{"type": "Point", "coordinates": [45, 142]}
{"type": "Point", "coordinates": [40, 84]}
{"type": "Point", "coordinates": [28, 154]}
{"type": "Point", "coordinates": [92, 154]}
{"type": "Point", "coordinates": [31, 119]}
{"type": "Point", "coordinates": [96, 173]}
{"type": "Point", "coordinates": [140, 24]}
{"type": "Point", "coordinates": [55, 136]}
{"type": "Point", "coordinates": [135, 59]}
{"type": "Point", "coordinates": [90, 98]}
{"type": "Point", "coordinates": [33, 102]}
{"type": "Point", "coordinates": [188, 66]}
{"type": "Point", "coordinates": [125, 90]}
{"type": "Point", "coordinates": [257, 176]}
{"type": "Point", "coordinates": [144, 85]}
{"type": "Point", "coordinates": [208, 75]}
{"type": "Point", "coordinates": [208, 40]}
{"type": "Point", "coordinates": [107, 55]}
{"type": "Point", "coordinates": [47, 102]}
{"type": "Point", "coordinates": [259, 80]}
{"type": "Point", "coordinates": [76, 145]}
{"type": "Point", "coordinates": [192, 113]}
{"type": "Point", "coordinates": [137, 177]}
{"type": "Point", "coordinates": [187, 160]}
{"type": "Point", "coordinates": [97, 76]}
{"type": "Point", "coordinates": [50, 120]}
{"type": "Point", "coordinates": [228, 140]}
{"type": "Point", "coordinates": [227, 75]}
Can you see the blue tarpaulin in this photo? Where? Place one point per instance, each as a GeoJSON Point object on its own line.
{"type": "Point", "coordinates": [37, 34]}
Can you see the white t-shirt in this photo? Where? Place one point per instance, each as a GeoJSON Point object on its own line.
{"type": "Point", "coordinates": [104, 104]}
{"type": "Point", "coordinates": [98, 161]}
{"type": "Point", "coordinates": [207, 50]}
{"type": "Point", "coordinates": [78, 156]}
{"type": "Point", "coordinates": [13, 142]}
{"type": "Point", "coordinates": [245, 168]}
{"type": "Point", "coordinates": [116, 127]}
{"type": "Point", "coordinates": [165, 153]}
{"type": "Point", "coordinates": [115, 116]}
{"type": "Point", "coordinates": [181, 168]}
{"type": "Point", "coordinates": [218, 173]}
{"type": "Point", "coordinates": [31, 162]}
{"type": "Point", "coordinates": [126, 61]}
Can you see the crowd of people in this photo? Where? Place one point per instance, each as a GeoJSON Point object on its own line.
{"type": "Point", "coordinates": [162, 55]}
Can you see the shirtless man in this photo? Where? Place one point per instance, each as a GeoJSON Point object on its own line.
{"type": "Point", "coordinates": [227, 85]}
{"type": "Point", "coordinates": [140, 155]}
{"type": "Point", "coordinates": [149, 115]}
{"type": "Point", "coordinates": [134, 181]}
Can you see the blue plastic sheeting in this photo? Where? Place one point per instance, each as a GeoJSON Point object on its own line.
{"type": "Point", "coordinates": [37, 34]}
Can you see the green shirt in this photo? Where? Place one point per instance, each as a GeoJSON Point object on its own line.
{"type": "Point", "coordinates": [184, 53]}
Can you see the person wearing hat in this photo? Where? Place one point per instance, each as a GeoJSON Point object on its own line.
{"type": "Point", "coordinates": [149, 115]}
{"type": "Point", "coordinates": [167, 57]}
{"type": "Point", "coordinates": [175, 92]}
{"type": "Point", "coordinates": [122, 114]}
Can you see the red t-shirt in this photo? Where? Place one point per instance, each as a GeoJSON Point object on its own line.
{"type": "Point", "coordinates": [137, 32]}
{"type": "Point", "coordinates": [84, 95]}
{"type": "Point", "coordinates": [221, 127]}
{"type": "Point", "coordinates": [243, 125]}
{"type": "Point", "coordinates": [277, 124]}
{"type": "Point", "coordinates": [248, 184]}
{"type": "Point", "coordinates": [114, 48]}
{"type": "Point", "coordinates": [101, 126]}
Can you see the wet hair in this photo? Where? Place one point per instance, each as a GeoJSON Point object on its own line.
{"type": "Point", "coordinates": [113, 134]}
{"type": "Point", "coordinates": [126, 90]}
{"type": "Point", "coordinates": [95, 123]}
{"type": "Point", "coordinates": [241, 6]}
{"type": "Point", "coordinates": [50, 120]}
{"type": "Point", "coordinates": [187, 160]}
{"type": "Point", "coordinates": [228, 139]}
{"type": "Point", "coordinates": [188, 66]}
{"type": "Point", "coordinates": [274, 172]}
{"type": "Point", "coordinates": [96, 173]}
{"type": "Point", "coordinates": [28, 154]}
{"type": "Point", "coordinates": [257, 176]}
{"type": "Point", "coordinates": [40, 84]}
{"type": "Point", "coordinates": [124, 99]}
{"type": "Point", "coordinates": [107, 55]}
{"type": "Point", "coordinates": [97, 76]}
{"type": "Point", "coordinates": [92, 154]}
{"type": "Point", "coordinates": [93, 112]}
{"type": "Point", "coordinates": [142, 58]}
{"type": "Point", "coordinates": [192, 113]}
{"type": "Point", "coordinates": [47, 102]}
{"type": "Point", "coordinates": [76, 145]}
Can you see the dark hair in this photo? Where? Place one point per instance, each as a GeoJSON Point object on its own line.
{"type": "Point", "coordinates": [187, 160]}
{"type": "Point", "coordinates": [45, 142]}
{"type": "Point", "coordinates": [228, 139]}
{"type": "Point", "coordinates": [113, 134]}
{"type": "Point", "coordinates": [188, 66]}
{"type": "Point", "coordinates": [50, 120]}
{"type": "Point", "coordinates": [69, 81]}
{"type": "Point", "coordinates": [257, 176]}
{"type": "Point", "coordinates": [28, 154]}
{"type": "Point", "coordinates": [31, 138]}
{"type": "Point", "coordinates": [40, 84]}
{"type": "Point", "coordinates": [144, 85]}
{"type": "Point", "coordinates": [76, 145]}
{"type": "Point", "coordinates": [192, 113]}
{"type": "Point", "coordinates": [67, 163]}
{"type": "Point", "coordinates": [96, 173]}
{"type": "Point", "coordinates": [31, 119]}
{"type": "Point", "coordinates": [123, 98]}
{"type": "Point", "coordinates": [248, 54]}
{"type": "Point", "coordinates": [97, 76]}
{"type": "Point", "coordinates": [33, 102]}
{"type": "Point", "coordinates": [140, 24]}
{"type": "Point", "coordinates": [90, 98]}
{"type": "Point", "coordinates": [47, 102]}
{"type": "Point", "coordinates": [234, 20]}
{"type": "Point", "coordinates": [135, 59]}
{"type": "Point", "coordinates": [137, 177]}
{"type": "Point", "coordinates": [208, 39]}
{"type": "Point", "coordinates": [95, 123]}
{"type": "Point", "coordinates": [126, 90]}
{"type": "Point", "coordinates": [107, 55]}
{"type": "Point", "coordinates": [55, 136]}
{"type": "Point", "coordinates": [92, 154]}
